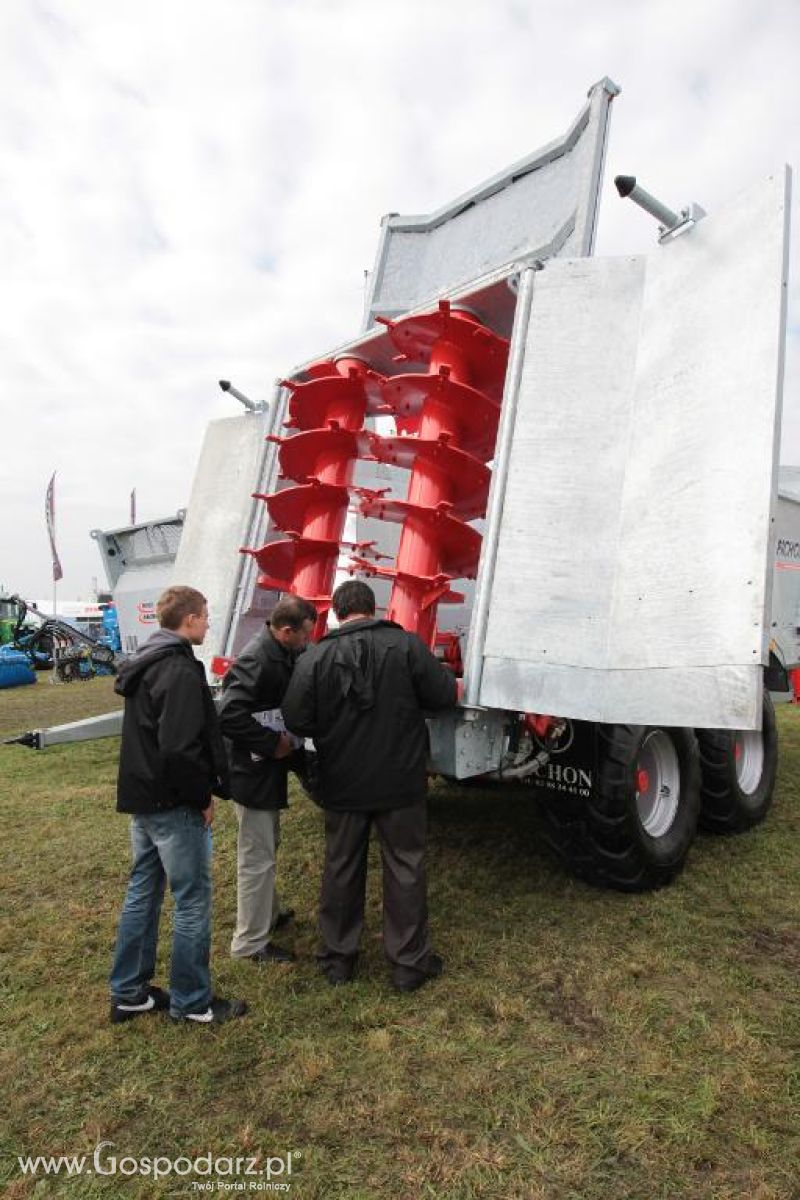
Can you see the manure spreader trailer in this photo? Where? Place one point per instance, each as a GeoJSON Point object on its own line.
{"type": "Point", "coordinates": [560, 471]}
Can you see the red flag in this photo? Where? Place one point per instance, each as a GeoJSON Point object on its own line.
{"type": "Point", "coordinates": [50, 514]}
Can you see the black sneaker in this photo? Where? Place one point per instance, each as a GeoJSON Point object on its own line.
{"type": "Point", "coordinates": [218, 1012]}
{"type": "Point", "coordinates": [154, 999]}
{"type": "Point", "coordinates": [432, 970]}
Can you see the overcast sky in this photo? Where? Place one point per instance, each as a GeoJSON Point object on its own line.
{"type": "Point", "coordinates": [191, 190]}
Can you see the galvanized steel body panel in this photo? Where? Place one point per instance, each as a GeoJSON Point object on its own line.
{"type": "Point", "coordinates": [221, 518]}
{"type": "Point", "coordinates": [543, 205]}
{"type": "Point", "coordinates": [631, 581]}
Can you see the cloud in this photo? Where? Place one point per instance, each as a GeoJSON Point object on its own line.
{"type": "Point", "coordinates": [193, 191]}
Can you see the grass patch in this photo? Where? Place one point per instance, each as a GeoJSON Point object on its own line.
{"type": "Point", "coordinates": [582, 1044]}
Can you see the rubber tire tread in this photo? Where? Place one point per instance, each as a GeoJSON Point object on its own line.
{"type": "Point", "coordinates": [601, 840]}
{"type": "Point", "coordinates": [725, 808]}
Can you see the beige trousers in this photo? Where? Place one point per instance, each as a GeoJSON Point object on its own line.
{"type": "Point", "coordinates": [257, 903]}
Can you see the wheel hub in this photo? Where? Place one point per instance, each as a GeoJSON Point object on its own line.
{"type": "Point", "coordinates": [748, 756]}
{"type": "Point", "coordinates": [658, 783]}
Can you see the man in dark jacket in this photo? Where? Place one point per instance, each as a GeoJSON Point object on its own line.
{"type": "Point", "coordinates": [360, 693]}
{"type": "Point", "coordinates": [259, 751]}
{"type": "Point", "coordinates": [171, 763]}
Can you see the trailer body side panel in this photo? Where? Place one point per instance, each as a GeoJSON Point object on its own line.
{"type": "Point", "coordinates": [633, 573]}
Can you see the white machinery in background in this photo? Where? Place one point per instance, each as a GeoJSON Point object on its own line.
{"type": "Point", "coordinates": [138, 561]}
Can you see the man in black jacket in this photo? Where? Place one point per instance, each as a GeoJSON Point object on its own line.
{"type": "Point", "coordinates": [259, 751]}
{"type": "Point", "coordinates": [360, 693]}
{"type": "Point", "coordinates": [171, 763]}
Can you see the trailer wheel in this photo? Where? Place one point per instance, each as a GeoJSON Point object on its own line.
{"type": "Point", "coordinates": [738, 774]}
{"type": "Point", "coordinates": [634, 833]}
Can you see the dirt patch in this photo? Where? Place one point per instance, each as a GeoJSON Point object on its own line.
{"type": "Point", "coordinates": [783, 944]}
{"type": "Point", "coordinates": [564, 1002]}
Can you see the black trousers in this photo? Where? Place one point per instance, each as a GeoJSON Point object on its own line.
{"type": "Point", "coordinates": [402, 834]}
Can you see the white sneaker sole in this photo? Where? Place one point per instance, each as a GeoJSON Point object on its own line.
{"type": "Point", "coordinates": [136, 1008]}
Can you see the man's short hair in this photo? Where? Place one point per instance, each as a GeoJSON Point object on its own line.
{"type": "Point", "coordinates": [354, 596]}
{"type": "Point", "coordinates": [176, 604]}
{"type": "Point", "coordinates": [292, 611]}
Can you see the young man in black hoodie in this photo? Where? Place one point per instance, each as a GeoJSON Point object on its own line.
{"type": "Point", "coordinates": [171, 764]}
{"type": "Point", "coordinates": [361, 693]}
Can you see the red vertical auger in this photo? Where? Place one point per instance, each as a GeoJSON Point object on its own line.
{"type": "Point", "coordinates": [455, 408]}
{"type": "Point", "coordinates": [451, 413]}
{"type": "Point", "coordinates": [329, 411]}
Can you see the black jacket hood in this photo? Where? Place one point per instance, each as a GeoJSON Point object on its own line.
{"type": "Point", "coordinates": [161, 645]}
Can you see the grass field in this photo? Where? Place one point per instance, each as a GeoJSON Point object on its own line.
{"type": "Point", "coordinates": [581, 1045]}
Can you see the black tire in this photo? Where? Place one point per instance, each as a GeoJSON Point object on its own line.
{"type": "Point", "coordinates": [623, 837]}
{"type": "Point", "coordinates": [738, 774]}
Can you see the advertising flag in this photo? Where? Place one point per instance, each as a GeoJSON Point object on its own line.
{"type": "Point", "coordinates": [50, 514]}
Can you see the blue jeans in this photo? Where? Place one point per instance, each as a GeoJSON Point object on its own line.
{"type": "Point", "coordinates": [174, 847]}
